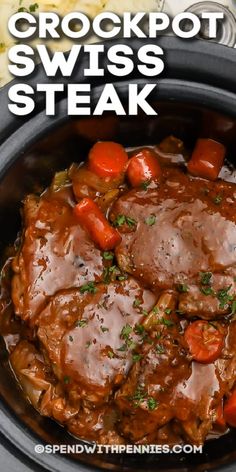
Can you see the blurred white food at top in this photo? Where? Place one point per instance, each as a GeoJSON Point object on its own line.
{"type": "Point", "coordinates": [62, 7]}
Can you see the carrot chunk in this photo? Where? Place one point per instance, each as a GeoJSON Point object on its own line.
{"type": "Point", "coordinates": [143, 167]}
{"type": "Point", "coordinates": [92, 219]}
{"type": "Point", "coordinates": [205, 342]}
{"type": "Point", "coordinates": [107, 159]}
{"type": "Point", "coordinates": [207, 159]}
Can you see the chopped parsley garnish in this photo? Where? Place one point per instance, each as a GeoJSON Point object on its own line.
{"type": "Point", "coordinates": [207, 291]}
{"type": "Point", "coordinates": [224, 297]}
{"type": "Point", "coordinates": [137, 302]}
{"type": "Point", "coordinates": [166, 322]}
{"type": "Point", "coordinates": [144, 312]}
{"type": "Point", "coordinates": [152, 403]}
{"type": "Point", "coordinates": [104, 329]}
{"type": "Point", "coordinates": [233, 308]}
{"type": "Point", "coordinates": [160, 349]}
{"type": "Point", "coordinates": [89, 287]}
{"type": "Point", "coordinates": [122, 219]}
{"type": "Point", "coordinates": [111, 354]}
{"type": "Point", "coordinates": [109, 272]}
{"type": "Point", "coordinates": [82, 323]}
{"type": "Point", "coordinates": [71, 339]}
{"type": "Point", "coordinates": [125, 332]}
{"type": "Point", "coordinates": [182, 288]}
{"type": "Point", "coordinates": [139, 329]}
{"type": "Point", "coordinates": [131, 221]}
{"type": "Point", "coordinates": [66, 379]}
{"type": "Point", "coordinates": [139, 396]}
{"type": "Point", "coordinates": [108, 256]}
{"type": "Point", "coordinates": [205, 277]}
{"type": "Point", "coordinates": [122, 348]}
{"type": "Point", "coordinates": [145, 185]}
{"type": "Point", "coordinates": [88, 344]}
{"type": "Point", "coordinates": [136, 357]}
{"type": "Point", "coordinates": [155, 310]}
{"type": "Point", "coordinates": [123, 277]}
{"type": "Point", "coordinates": [151, 220]}
{"type": "Point", "coordinates": [168, 311]}
{"type": "Point", "coordinates": [218, 199]}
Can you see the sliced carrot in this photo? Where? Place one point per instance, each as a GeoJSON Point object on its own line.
{"type": "Point", "coordinates": [204, 341]}
{"type": "Point", "coordinates": [230, 410]}
{"type": "Point", "coordinates": [107, 159]}
{"type": "Point", "coordinates": [143, 167]}
{"type": "Point", "coordinates": [92, 219]}
{"type": "Point", "coordinates": [207, 159]}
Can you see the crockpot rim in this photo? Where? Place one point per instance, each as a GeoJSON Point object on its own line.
{"type": "Point", "coordinates": [189, 60]}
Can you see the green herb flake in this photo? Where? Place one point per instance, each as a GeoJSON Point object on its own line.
{"type": "Point", "coordinates": [182, 288]}
{"type": "Point", "coordinates": [218, 199]}
{"type": "Point", "coordinates": [125, 332]}
{"type": "Point", "coordinates": [122, 348]}
{"type": "Point", "coordinates": [160, 349]}
{"type": "Point", "coordinates": [81, 323]}
{"type": "Point", "coordinates": [71, 339]}
{"type": "Point", "coordinates": [139, 329]}
{"type": "Point", "coordinates": [88, 344]}
{"type": "Point", "coordinates": [166, 322]}
{"type": "Point", "coordinates": [207, 291]}
{"type": "Point", "coordinates": [205, 278]}
{"type": "Point", "coordinates": [137, 357]}
{"type": "Point", "coordinates": [89, 288]}
{"type": "Point", "coordinates": [152, 403]}
{"type": "Point", "coordinates": [137, 302]}
{"type": "Point", "coordinates": [224, 297]}
{"type": "Point", "coordinates": [145, 185]}
{"type": "Point", "coordinates": [66, 379]}
{"type": "Point", "coordinates": [130, 221]}
{"type": "Point", "coordinates": [108, 256]}
{"type": "Point", "coordinates": [151, 220]}
{"type": "Point", "coordinates": [122, 219]}
{"type": "Point", "coordinates": [139, 396]}
{"type": "Point", "coordinates": [121, 278]}
{"type": "Point", "coordinates": [111, 354]}
{"type": "Point", "coordinates": [168, 311]}
{"type": "Point", "coordinates": [233, 308]}
{"type": "Point", "coordinates": [104, 329]}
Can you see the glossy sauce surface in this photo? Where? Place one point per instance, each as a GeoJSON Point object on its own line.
{"type": "Point", "coordinates": [74, 320]}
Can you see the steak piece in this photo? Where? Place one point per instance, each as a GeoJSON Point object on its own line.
{"type": "Point", "coordinates": [206, 302]}
{"type": "Point", "coordinates": [148, 398]}
{"type": "Point", "coordinates": [35, 379]}
{"type": "Point", "coordinates": [181, 229]}
{"type": "Point", "coordinates": [165, 386]}
{"type": "Point", "coordinates": [56, 253]}
{"type": "Point", "coordinates": [89, 338]}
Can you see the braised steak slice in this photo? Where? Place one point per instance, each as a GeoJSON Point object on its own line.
{"type": "Point", "coordinates": [89, 337]}
{"type": "Point", "coordinates": [176, 230]}
{"type": "Point", "coordinates": [56, 253]}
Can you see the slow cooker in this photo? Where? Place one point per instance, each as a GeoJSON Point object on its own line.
{"type": "Point", "coordinates": [196, 95]}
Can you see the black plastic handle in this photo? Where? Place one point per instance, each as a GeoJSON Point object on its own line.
{"type": "Point", "coordinates": [192, 60]}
